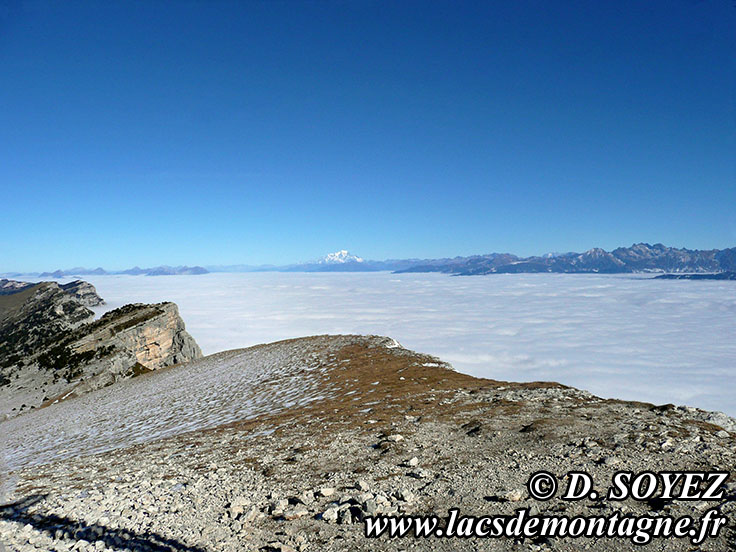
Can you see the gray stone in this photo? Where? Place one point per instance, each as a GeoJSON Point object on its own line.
{"type": "Point", "coordinates": [514, 495]}
{"type": "Point", "coordinates": [370, 507]}
{"type": "Point", "coordinates": [345, 516]}
{"type": "Point", "coordinates": [330, 514]}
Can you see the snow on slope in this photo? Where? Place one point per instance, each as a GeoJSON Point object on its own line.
{"type": "Point", "coordinates": [222, 388]}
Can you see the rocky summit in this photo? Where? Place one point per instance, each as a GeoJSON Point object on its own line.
{"type": "Point", "coordinates": [52, 348]}
{"type": "Point", "coordinates": [84, 292]}
{"type": "Point", "coordinates": [292, 445]}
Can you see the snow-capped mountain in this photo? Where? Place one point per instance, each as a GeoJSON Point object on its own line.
{"type": "Point", "coordinates": [640, 257]}
{"type": "Point", "coordinates": [340, 257]}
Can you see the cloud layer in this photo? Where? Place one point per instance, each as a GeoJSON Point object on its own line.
{"type": "Point", "coordinates": [617, 336]}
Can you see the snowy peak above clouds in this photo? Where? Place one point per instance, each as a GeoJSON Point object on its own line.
{"type": "Point", "coordinates": [340, 257]}
{"type": "Point", "coordinates": [339, 261]}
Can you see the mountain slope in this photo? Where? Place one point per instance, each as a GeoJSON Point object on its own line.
{"type": "Point", "coordinates": [289, 445]}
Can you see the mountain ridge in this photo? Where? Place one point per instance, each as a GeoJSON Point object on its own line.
{"type": "Point", "coordinates": [162, 270]}
{"type": "Point", "coordinates": [638, 258]}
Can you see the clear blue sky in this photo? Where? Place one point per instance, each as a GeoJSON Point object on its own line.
{"type": "Point", "coordinates": [270, 132]}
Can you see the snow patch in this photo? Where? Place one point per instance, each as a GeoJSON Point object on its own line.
{"type": "Point", "coordinates": [340, 257]}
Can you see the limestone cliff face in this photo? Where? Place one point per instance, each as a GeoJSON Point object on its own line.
{"type": "Point", "coordinates": [139, 338]}
{"type": "Point", "coordinates": [52, 349]}
{"type": "Point", "coordinates": [161, 341]}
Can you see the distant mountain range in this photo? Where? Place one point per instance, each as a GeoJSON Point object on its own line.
{"type": "Point", "coordinates": [640, 257]}
{"type": "Point", "coordinates": [135, 271]}
{"type": "Point", "coordinates": [716, 276]}
{"type": "Point", "coordinates": [166, 271]}
{"type": "Point", "coordinates": [343, 261]}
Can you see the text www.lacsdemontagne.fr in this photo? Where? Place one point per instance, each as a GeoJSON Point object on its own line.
{"type": "Point", "coordinates": [638, 529]}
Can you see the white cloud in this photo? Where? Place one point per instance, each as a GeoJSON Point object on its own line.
{"type": "Point", "coordinates": [617, 336]}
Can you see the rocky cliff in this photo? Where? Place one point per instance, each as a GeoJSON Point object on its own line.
{"type": "Point", "coordinates": [12, 286]}
{"type": "Point", "coordinates": [51, 348]}
{"type": "Point", "coordinates": [133, 339]}
{"type": "Point", "coordinates": [34, 317]}
{"type": "Point", "coordinates": [84, 292]}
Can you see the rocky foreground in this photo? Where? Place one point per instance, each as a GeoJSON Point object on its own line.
{"type": "Point", "coordinates": [288, 446]}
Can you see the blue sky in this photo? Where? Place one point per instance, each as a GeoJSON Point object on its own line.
{"type": "Point", "coordinates": [270, 132]}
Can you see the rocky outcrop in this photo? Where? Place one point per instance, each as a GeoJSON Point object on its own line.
{"type": "Point", "coordinates": [35, 317]}
{"type": "Point", "coordinates": [12, 286]}
{"type": "Point", "coordinates": [136, 339]}
{"type": "Point", "coordinates": [51, 348]}
{"type": "Point", "coordinates": [84, 292]}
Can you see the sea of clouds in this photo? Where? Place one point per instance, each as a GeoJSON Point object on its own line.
{"type": "Point", "coordinates": [629, 337]}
